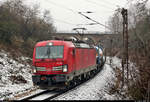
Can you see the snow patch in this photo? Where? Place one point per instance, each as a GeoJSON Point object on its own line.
{"type": "Point", "coordinates": [148, 4]}
{"type": "Point", "coordinates": [15, 77]}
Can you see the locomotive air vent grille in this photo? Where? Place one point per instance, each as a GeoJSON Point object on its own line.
{"type": "Point", "coordinates": [41, 68]}
{"type": "Point", "coordinates": [59, 68]}
{"type": "Point", "coordinates": [82, 45]}
{"type": "Point", "coordinates": [77, 45]}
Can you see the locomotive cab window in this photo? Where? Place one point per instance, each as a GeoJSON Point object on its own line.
{"type": "Point", "coordinates": [49, 52]}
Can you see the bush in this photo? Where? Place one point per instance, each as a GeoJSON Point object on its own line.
{"type": "Point", "coordinates": [21, 28]}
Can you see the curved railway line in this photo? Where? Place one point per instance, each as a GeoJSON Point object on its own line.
{"type": "Point", "coordinates": [51, 94]}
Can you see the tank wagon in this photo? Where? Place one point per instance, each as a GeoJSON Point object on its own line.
{"type": "Point", "coordinates": [100, 58]}
{"type": "Point", "coordinates": [57, 64]}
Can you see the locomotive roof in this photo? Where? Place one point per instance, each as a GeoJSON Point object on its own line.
{"type": "Point", "coordinates": [67, 43]}
{"type": "Point", "coordinates": [55, 42]}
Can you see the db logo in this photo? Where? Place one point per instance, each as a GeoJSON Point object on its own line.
{"type": "Point", "coordinates": [48, 69]}
{"type": "Point", "coordinates": [59, 63]}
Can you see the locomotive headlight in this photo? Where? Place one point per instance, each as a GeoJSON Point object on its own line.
{"type": "Point", "coordinates": [65, 68]}
{"type": "Point", "coordinates": [34, 69]}
{"type": "Point", "coordinates": [50, 44]}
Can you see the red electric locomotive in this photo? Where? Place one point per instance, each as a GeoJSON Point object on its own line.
{"type": "Point", "coordinates": [57, 63]}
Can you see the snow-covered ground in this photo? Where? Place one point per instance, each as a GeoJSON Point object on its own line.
{"type": "Point", "coordinates": [15, 77]}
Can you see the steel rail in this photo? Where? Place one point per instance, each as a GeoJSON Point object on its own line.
{"type": "Point", "coordinates": [35, 95]}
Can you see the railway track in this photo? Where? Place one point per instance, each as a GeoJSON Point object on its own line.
{"type": "Point", "coordinates": [51, 94]}
{"type": "Point", "coordinates": [35, 95]}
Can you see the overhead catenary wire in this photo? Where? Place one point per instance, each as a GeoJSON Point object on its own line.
{"type": "Point", "coordinates": [93, 20]}
{"type": "Point", "coordinates": [92, 2]}
{"type": "Point", "coordinates": [59, 5]}
{"type": "Point", "coordinates": [74, 11]}
{"type": "Point", "coordinates": [64, 7]}
{"type": "Point", "coordinates": [96, 22]}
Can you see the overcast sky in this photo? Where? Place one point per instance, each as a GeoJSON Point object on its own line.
{"type": "Point", "coordinates": [65, 12]}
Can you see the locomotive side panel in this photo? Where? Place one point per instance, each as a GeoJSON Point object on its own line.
{"type": "Point", "coordinates": [70, 60]}
{"type": "Point", "coordinates": [92, 56]}
{"type": "Point", "coordinates": [85, 59]}
{"type": "Point", "coordinates": [78, 59]}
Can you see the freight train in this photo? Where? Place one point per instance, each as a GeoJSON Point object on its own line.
{"type": "Point", "coordinates": [57, 64]}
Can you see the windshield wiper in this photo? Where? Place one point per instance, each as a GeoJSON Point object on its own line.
{"type": "Point", "coordinates": [48, 52]}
